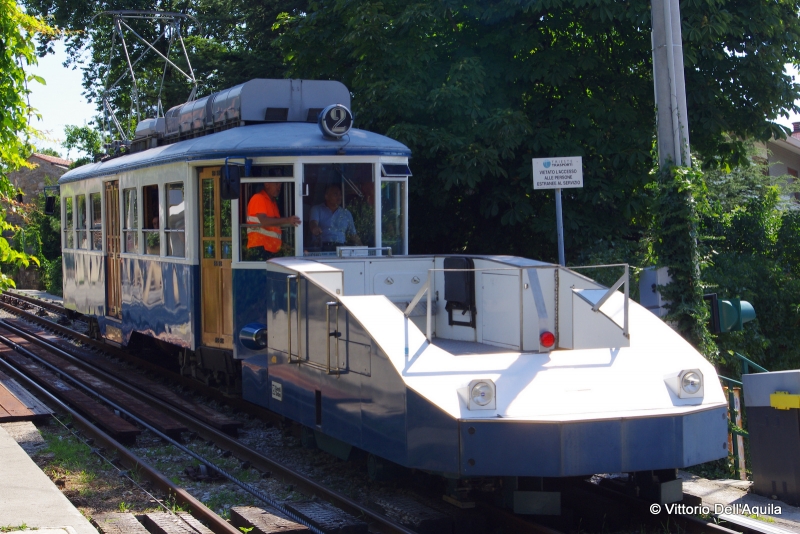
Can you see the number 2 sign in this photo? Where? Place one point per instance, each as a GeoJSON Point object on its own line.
{"type": "Point", "coordinates": [335, 121]}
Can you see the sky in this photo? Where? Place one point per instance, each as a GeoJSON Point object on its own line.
{"type": "Point", "coordinates": [60, 101]}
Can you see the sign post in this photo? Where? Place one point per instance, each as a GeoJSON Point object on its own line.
{"type": "Point", "coordinates": [558, 174]}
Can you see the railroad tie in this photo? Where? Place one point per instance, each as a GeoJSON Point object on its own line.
{"type": "Point", "coordinates": [327, 517]}
{"type": "Point", "coordinates": [263, 521]}
{"type": "Point", "coordinates": [106, 419]}
{"type": "Point", "coordinates": [11, 408]}
{"type": "Point", "coordinates": [116, 523]}
{"type": "Point", "coordinates": [162, 422]}
{"type": "Point", "coordinates": [212, 417]}
{"type": "Point", "coordinates": [40, 410]}
{"type": "Point", "coordinates": [416, 515]}
{"type": "Point", "coordinates": [180, 523]}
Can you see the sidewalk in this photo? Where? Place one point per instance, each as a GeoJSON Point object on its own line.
{"type": "Point", "coordinates": [27, 496]}
{"type": "Point", "coordinates": [734, 492]}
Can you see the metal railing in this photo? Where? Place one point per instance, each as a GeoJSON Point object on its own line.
{"type": "Point", "coordinates": [623, 280]}
{"type": "Point", "coordinates": [736, 430]}
{"type": "Point", "coordinates": [355, 251]}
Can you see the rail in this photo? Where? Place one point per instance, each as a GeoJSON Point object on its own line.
{"type": "Point", "coordinates": [737, 431]}
{"type": "Point", "coordinates": [223, 441]}
{"type": "Point", "coordinates": [624, 279]}
{"type": "Point", "coordinates": [357, 251]}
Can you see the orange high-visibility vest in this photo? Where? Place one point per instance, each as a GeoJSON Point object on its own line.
{"type": "Point", "coordinates": [270, 237]}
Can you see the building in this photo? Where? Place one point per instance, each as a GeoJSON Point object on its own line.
{"type": "Point", "coordinates": [32, 181]}
{"type": "Point", "coordinates": [783, 156]}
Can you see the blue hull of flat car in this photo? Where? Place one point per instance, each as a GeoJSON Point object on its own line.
{"type": "Point", "coordinates": [368, 405]}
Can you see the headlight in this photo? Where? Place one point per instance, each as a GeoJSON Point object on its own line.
{"type": "Point", "coordinates": [254, 336]}
{"type": "Point", "coordinates": [482, 395]}
{"type": "Point", "coordinates": [691, 382]}
{"type": "Point", "coordinates": [686, 384]}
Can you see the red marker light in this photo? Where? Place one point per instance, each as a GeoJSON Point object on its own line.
{"type": "Point", "coordinates": [547, 339]}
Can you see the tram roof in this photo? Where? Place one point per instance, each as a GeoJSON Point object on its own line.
{"type": "Point", "coordinates": [258, 140]}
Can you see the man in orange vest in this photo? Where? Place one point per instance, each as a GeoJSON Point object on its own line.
{"type": "Point", "coordinates": [264, 222]}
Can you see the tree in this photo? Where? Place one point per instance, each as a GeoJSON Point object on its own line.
{"type": "Point", "coordinates": [230, 42]}
{"type": "Point", "coordinates": [17, 50]}
{"type": "Point", "coordinates": [16, 30]}
{"type": "Point", "coordinates": [477, 89]}
{"type": "Point", "coordinates": [47, 151]}
{"type": "Point", "coordinates": [84, 139]}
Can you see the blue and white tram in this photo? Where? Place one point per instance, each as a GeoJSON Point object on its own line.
{"type": "Point", "coordinates": [489, 366]}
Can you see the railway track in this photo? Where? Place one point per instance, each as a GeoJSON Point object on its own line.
{"type": "Point", "coordinates": [84, 368]}
{"type": "Point", "coordinates": [179, 416]}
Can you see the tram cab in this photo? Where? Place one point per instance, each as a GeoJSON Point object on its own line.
{"type": "Point", "coordinates": [155, 240]}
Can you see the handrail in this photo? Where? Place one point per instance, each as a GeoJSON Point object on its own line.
{"type": "Point", "coordinates": [340, 250]}
{"type": "Point", "coordinates": [417, 298]}
{"type": "Point", "coordinates": [289, 316]}
{"type": "Point", "coordinates": [335, 335]}
{"type": "Point", "coordinates": [624, 279]}
{"type": "Point", "coordinates": [746, 363]}
{"type": "Point", "coordinates": [729, 380]}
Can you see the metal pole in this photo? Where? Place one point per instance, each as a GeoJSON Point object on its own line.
{"type": "Point", "coordinates": [560, 228]}
{"type": "Point", "coordinates": [669, 83]}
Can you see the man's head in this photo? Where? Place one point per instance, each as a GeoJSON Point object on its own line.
{"type": "Point", "coordinates": [273, 189]}
{"type": "Point", "coordinates": [333, 196]}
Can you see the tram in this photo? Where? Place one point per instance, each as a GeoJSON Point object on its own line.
{"type": "Point", "coordinates": [465, 366]}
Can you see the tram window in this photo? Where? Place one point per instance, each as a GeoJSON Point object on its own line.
{"type": "Point", "coordinates": [356, 182]}
{"type": "Point", "coordinates": [130, 220]}
{"type": "Point", "coordinates": [261, 248]}
{"type": "Point", "coordinates": [96, 221]}
{"type": "Point", "coordinates": [272, 171]}
{"type": "Point", "coordinates": [393, 210]}
{"type": "Point", "coordinates": [150, 232]}
{"type": "Point", "coordinates": [68, 236]}
{"type": "Point", "coordinates": [80, 222]}
{"type": "Point", "coordinates": [176, 225]}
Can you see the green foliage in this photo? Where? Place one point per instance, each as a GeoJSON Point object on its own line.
{"type": "Point", "coordinates": [52, 277]}
{"type": "Point", "coordinates": [476, 90]}
{"type": "Point", "coordinates": [231, 42]}
{"type": "Point", "coordinates": [680, 200]}
{"type": "Point", "coordinates": [17, 31]}
{"type": "Point", "coordinates": [753, 253]}
{"type": "Point", "coordinates": [85, 139]}
{"type": "Point", "coordinates": [47, 151]}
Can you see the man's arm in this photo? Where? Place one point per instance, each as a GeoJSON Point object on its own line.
{"type": "Point", "coordinates": [316, 229]}
{"type": "Point", "coordinates": [266, 222]}
{"type": "Point", "coordinates": [351, 229]}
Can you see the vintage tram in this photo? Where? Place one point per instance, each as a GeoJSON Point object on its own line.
{"type": "Point", "coordinates": [479, 366]}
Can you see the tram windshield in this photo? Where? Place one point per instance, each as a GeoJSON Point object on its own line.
{"type": "Point", "coordinates": [339, 207]}
{"type": "Point", "coordinates": [257, 243]}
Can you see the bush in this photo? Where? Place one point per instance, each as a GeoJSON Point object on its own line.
{"type": "Point", "coordinates": [52, 278]}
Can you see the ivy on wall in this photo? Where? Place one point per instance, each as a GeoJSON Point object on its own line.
{"type": "Point", "coordinates": [680, 198]}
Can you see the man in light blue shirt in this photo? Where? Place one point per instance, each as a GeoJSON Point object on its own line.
{"type": "Point", "coordinates": [332, 224]}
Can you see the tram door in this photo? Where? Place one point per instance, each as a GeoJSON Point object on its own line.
{"type": "Point", "coordinates": [215, 264]}
{"type": "Point", "coordinates": [113, 260]}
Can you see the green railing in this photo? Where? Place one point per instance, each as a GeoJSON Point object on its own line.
{"type": "Point", "coordinates": [734, 428]}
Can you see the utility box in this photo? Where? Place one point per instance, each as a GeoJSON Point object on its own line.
{"type": "Point", "coordinates": [649, 295]}
{"type": "Point", "coordinates": [772, 401]}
